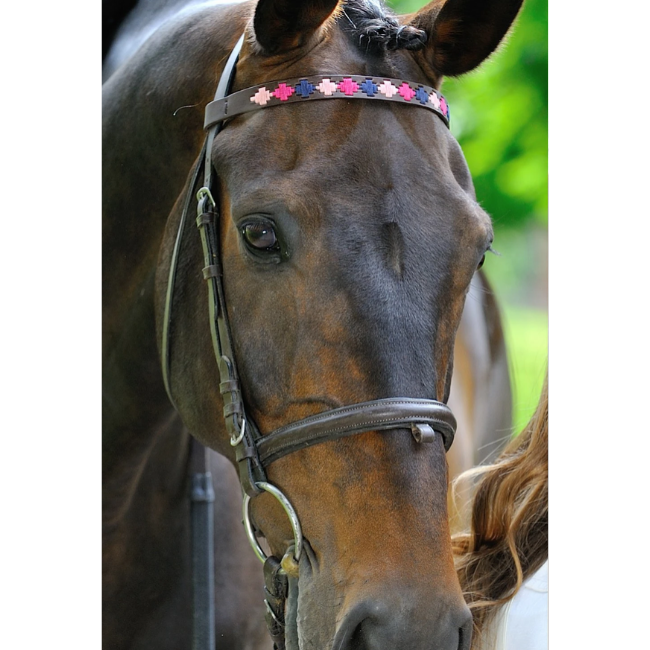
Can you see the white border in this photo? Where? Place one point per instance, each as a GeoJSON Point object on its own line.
{"type": "Point", "coordinates": [50, 275]}
{"type": "Point", "coordinates": [50, 478]}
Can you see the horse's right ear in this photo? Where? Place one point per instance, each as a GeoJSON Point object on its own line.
{"type": "Point", "coordinates": [463, 33]}
{"type": "Point", "coordinates": [282, 25]}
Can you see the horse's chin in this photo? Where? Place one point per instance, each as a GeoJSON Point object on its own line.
{"type": "Point", "coordinates": [302, 630]}
{"type": "Point", "coordinates": [291, 637]}
{"type": "Point", "coordinates": [311, 611]}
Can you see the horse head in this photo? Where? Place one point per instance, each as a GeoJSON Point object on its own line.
{"type": "Point", "coordinates": [349, 234]}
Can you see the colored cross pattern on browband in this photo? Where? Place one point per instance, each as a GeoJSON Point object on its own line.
{"type": "Point", "coordinates": [326, 87]}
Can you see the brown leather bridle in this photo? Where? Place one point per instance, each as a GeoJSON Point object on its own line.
{"type": "Point", "coordinates": [254, 452]}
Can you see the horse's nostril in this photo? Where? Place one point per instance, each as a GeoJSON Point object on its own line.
{"type": "Point", "coordinates": [465, 634]}
{"type": "Point", "coordinates": [350, 635]}
{"type": "Point", "coordinates": [374, 626]}
{"type": "Point", "coordinates": [357, 639]}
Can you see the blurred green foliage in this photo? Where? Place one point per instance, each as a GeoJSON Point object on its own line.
{"type": "Point", "coordinates": [499, 116]}
{"type": "Point", "coordinates": [526, 332]}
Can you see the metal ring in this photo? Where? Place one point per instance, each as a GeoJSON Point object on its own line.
{"type": "Point", "coordinates": [291, 513]}
{"type": "Point", "coordinates": [235, 441]}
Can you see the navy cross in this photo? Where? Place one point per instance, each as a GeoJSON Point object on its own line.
{"type": "Point", "coordinates": [369, 87]}
{"type": "Point", "coordinates": [422, 95]}
{"type": "Point", "coordinates": [304, 88]}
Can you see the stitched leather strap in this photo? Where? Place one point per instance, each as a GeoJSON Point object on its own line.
{"type": "Point", "coordinates": [378, 415]}
{"type": "Point", "coordinates": [239, 427]}
{"type": "Point", "coordinates": [334, 86]}
{"type": "Point", "coordinates": [275, 590]}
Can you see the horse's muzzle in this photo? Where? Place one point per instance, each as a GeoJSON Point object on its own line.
{"type": "Point", "coordinates": [374, 625]}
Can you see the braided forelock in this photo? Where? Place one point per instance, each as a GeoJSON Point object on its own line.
{"type": "Point", "coordinates": [377, 29]}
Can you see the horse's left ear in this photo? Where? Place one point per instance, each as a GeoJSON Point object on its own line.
{"type": "Point", "coordinates": [282, 25]}
{"type": "Point", "coordinates": [463, 33]}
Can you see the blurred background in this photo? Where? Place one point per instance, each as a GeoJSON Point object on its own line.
{"type": "Point", "coordinates": [499, 117]}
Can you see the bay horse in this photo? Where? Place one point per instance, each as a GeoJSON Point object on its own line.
{"type": "Point", "coordinates": [349, 237]}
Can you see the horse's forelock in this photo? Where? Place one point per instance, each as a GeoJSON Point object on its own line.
{"type": "Point", "coordinates": [369, 24]}
{"type": "Point", "coordinates": [376, 29]}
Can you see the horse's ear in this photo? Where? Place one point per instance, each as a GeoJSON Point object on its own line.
{"type": "Point", "coordinates": [463, 33]}
{"type": "Point", "coordinates": [282, 25]}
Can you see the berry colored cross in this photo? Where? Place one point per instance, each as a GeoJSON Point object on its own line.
{"type": "Point", "coordinates": [283, 92]}
{"type": "Point", "coordinates": [406, 92]}
{"type": "Point", "coordinates": [348, 86]}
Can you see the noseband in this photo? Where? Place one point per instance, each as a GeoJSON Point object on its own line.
{"type": "Point", "coordinates": [424, 418]}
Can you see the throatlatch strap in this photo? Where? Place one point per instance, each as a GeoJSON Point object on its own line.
{"type": "Point", "coordinates": [167, 318]}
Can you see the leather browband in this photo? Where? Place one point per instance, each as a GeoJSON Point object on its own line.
{"type": "Point", "coordinates": [381, 414]}
{"type": "Point", "coordinates": [334, 86]}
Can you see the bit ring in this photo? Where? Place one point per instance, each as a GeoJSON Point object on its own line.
{"type": "Point", "coordinates": [288, 508]}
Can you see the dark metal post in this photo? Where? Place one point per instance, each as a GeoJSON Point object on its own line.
{"type": "Point", "coordinates": [203, 633]}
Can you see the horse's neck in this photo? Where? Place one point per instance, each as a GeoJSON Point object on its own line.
{"type": "Point", "coordinates": [157, 457]}
{"type": "Point", "coordinates": [147, 17]}
{"type": "Point", "coordinates": [145, 492]}
{"type": "Point", "coordinates": [149, 146]}
{"type": "Point", "coordinates": [146, 533]}
{"type": "Point", "coordinates": [147, 154]}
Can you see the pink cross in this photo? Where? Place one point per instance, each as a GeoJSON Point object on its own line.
{"type": "Point", "coordinates": [443, 105]}
{"type": "Point", "coordinates": [327, 87]}
{"type": "Point", "coordinates": [387, 89]}
{"type": "Point", "coordinates": [348, 86]}
{"type": "Point", "coordinates": [283, 92]}
{"type": "Point", "coordinates": [406, 92]}
{"type": "Point", "coordinates": [261, 97]}
{"type": "Point", "coordinates": [433, 98]}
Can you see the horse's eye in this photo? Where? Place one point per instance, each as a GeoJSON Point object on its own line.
{"type": "Point", "coordinates": [480, 264]}
{"type": "Point", "coordinates": [260, 236]}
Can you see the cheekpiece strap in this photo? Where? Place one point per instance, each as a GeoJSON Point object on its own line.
{"type": "Point", "coordinates": [301, 89]}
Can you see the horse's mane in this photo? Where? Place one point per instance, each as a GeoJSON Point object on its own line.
{"type": "Point", "coordinates": [376, 29]}
{"type": "Point", "coordinates": [508, 538]}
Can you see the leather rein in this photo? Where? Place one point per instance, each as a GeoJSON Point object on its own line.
{"type": "Point", "coordinates": [254, 452]}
